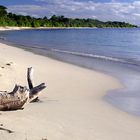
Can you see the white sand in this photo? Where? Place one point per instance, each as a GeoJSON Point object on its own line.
{"type": "Point", "coordinates": [72, 107]}
{"type": "Point", "coordinates": [24, 28]}
{"type": "Point", "coordinates": [13, 28]}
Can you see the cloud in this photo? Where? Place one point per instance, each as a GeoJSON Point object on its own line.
{"type": "Point", "coordinates": [114, 10]}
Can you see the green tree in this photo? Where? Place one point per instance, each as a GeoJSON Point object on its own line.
{"type": "Point", "coordinates": [10, 19]}
{"type": "Point", "coordinates": [3, 11]}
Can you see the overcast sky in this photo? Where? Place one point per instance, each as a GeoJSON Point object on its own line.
{"type": "Point", "coordinates": [116, 10]}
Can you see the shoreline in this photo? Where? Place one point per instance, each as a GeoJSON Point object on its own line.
{"type": "Point", "coordinates": [72, 108]}
{"type": "Point", "coordinates": [37, 28]}
{"type": "Point", "coordinates": [8, 28]}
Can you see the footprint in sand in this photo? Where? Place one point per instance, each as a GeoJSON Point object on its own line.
{"type": "Point", "coordinates": [9, 64]}
{"type": "Point", "coordinates": [2, 67]}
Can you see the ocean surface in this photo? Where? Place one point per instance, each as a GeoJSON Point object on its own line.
{"type": "Point", "coordinates": [112, 51]}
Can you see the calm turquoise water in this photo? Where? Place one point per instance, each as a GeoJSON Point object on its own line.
{"type": "Point", "coordinates": [113, 51]}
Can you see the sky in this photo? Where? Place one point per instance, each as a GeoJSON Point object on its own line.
{"type": "Point", "coordinates": [105, 10]}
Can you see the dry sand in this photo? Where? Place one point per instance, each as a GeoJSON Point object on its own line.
{"type": "Point", "coordinates": [24, 28]}
{"type": "Point", "coordinates": [13, 28]}
{"type": "Point", "coordinates": [72, 107]}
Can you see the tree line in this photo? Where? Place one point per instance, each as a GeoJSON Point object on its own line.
{"type": "Point", "coordinates": [11, 19]}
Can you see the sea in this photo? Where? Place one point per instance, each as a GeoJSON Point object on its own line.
{"type": "Point", "coordinates": [114, 51]}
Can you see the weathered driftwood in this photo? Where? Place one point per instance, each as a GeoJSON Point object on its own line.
{"type": "Point", "coordinates": [20, 95]}
{"type": "Point", "coordinates": [30, 82]}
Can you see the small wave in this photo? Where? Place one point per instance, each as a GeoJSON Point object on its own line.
{"type": "Point", "coordinates": [95, 56]}
{"type": "Point", "coordinates": [90, 55]}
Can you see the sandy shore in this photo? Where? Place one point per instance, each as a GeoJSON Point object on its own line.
{"type": "Point", "coordinates": [72, 107]}
{"type": "Point", "coordinates": [13, 28]}
{"type": "Point", "coordinates": [24, 28]}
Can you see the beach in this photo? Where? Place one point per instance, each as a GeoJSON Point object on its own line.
{"type": "Point", "coordinates": [8, 28]}
{"type": "Point", "coordinates": [71, 106]}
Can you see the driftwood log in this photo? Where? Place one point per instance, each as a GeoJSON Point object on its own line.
{"type": "Point", "coordinates": [20, 95]}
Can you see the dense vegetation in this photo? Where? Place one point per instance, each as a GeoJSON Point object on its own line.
{"type": "Point", "coordinates": [10, 19]}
